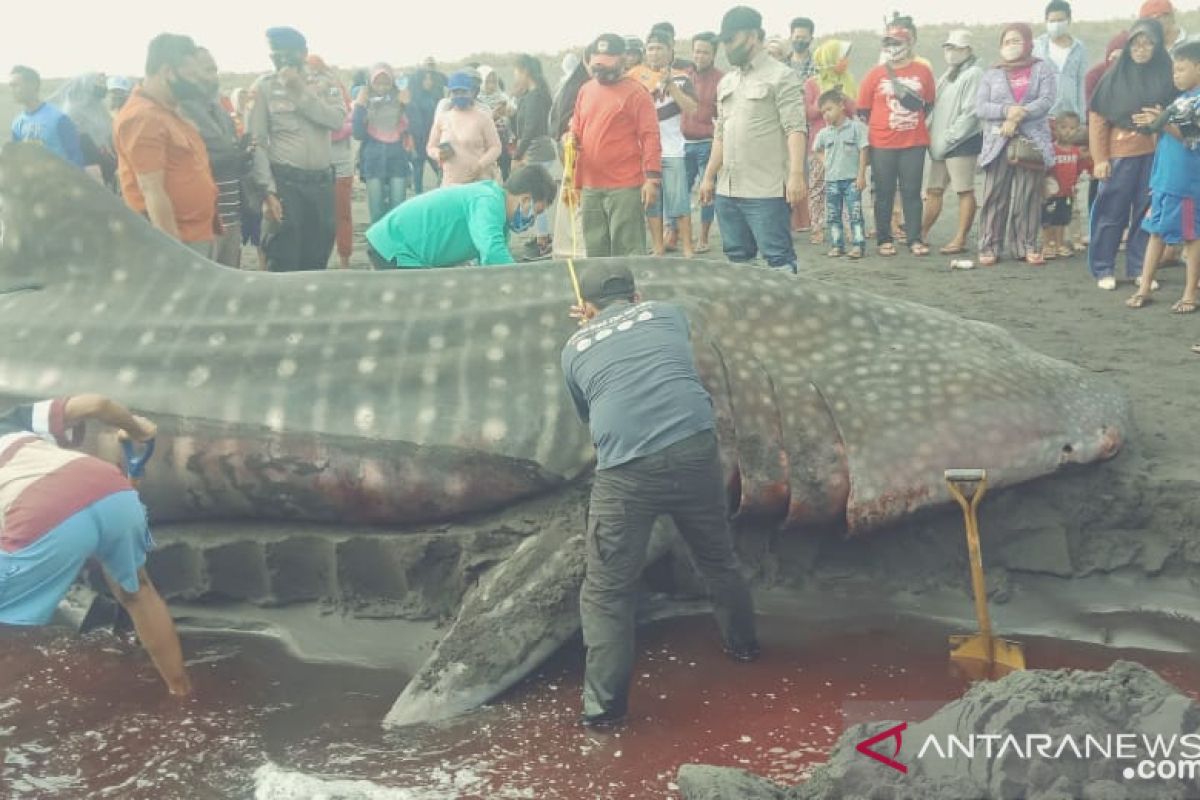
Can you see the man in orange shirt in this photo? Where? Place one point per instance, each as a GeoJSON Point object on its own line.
{"type": "Point", "coordinates": [163, 163]}
{"type": "Point", "coordinates": [620, 154]}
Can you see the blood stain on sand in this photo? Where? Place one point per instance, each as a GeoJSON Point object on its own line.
{"type": "Point", "coordinates": [87, 718]}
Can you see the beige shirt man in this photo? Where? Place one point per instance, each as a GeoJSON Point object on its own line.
{"type": "Point", "coordinates": [758, 107]}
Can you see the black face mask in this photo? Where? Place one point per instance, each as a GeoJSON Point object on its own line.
{"type": "Point", "coordinates": [738, 56]}
{"type": "Point", "coordinates": [184, 90]}
{"type": "Point", "coordinates": [801, 45]}
{"type": "Point", "coordinates": [287, 58]}
{"type": "Point", "coordinates": [606, 75]}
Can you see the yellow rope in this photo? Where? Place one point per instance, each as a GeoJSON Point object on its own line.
{"type": "Point", "coordinates": [569, 156]}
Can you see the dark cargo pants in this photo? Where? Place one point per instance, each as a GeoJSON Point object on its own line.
{"type": "Point", "coordinates": [684, 481]}
{"type": "Point", "coordinates": [304, 239]}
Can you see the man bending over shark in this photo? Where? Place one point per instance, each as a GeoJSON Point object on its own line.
{"type": "Point", "coordinates": [58, 508]}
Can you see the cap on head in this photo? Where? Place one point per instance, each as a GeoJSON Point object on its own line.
{"type": "Point", "coordinates": [285, 38]}
{"type": "Point", "coordinates": [462, 80]}
{"type": "Point", "coordinates": [899, 34]}
{"type": "Point", "coordinates": [1155, 8]}
{"type": "Point", "coordinates": [738, 19]}
{"type": "Point", "coordinates": [958, 38]}
{"type": "Point", "coordinates": [634, 45]}
{"type": "Point", "coordinates": [660, 36]}
{"type": "Point", "coordinates": [608, 44]}
{"type": "Point", "coordinates": [605, 280]}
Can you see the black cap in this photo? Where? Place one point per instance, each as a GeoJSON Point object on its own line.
{"type": "Point", "coordinates": [605, 279]}
{"type": "Point", "coordinates": [739, 18]}
{"type": "Point", "coordinates": [608, 44]}
{"type": "Point", "coordinates": [660, 36]}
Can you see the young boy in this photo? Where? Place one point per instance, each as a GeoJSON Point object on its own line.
{"type": "Point", "coordinates": [842, 146]}
{"type": "Point", "coordinates": [1056, 214]}
{"type": "Point", "coordinates": [1175, 183]}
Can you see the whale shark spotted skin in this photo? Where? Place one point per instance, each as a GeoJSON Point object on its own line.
{"type": "Point", "coordinates": [398, 397]}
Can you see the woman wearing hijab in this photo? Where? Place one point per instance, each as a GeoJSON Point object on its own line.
{"type": "Point", "coordinates": [1122, 146]}
{"type": "Point", "coordinates": [385, 157]}
{"type": "Point", "coordinates": [83, 100]}
{"type": "Point", "coordinates": [464, 138]}
{"type": "Point", "coordinates": [1013, 105]}
{"type": "Point", "coordinates": [1090, 82]}
{"type": "Point", "coordinates": [531, 126]}
{"type": "Point", "coordinates": [831, 60]}
{"type": "Point", "coordinates": [493, 98]}
{"type": "Point", "coordinates": [895, 98]}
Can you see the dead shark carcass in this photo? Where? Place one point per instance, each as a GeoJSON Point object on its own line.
{"type": "Point", "coordinates": [403, 397]}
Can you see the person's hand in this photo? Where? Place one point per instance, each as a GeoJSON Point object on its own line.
{"type": "Point", "coordinates": [1008, 129]}
{"type": "Point", "coordinates": [144, 431]}
{"type": "Point", "coordinates": [860, 182]}
{"type": "Point", "coordinates": [272, 208]}
{"type": "Point", "coordinates": [293, 81]}
{"type": "Point", "coordinates": [797, 187]}
{"type": "Point", "coordinates": [570, 195]}
{"type": "Point", "coordinates": [1102, 170]}
{"type": "Point", "coordinates": [1147, 116]}
{"type": "Point", "coordinates": [1016, 113]}
{"type": "Point", "coordinates": [708, 188]}
{"type": "Point", "coordinates": [649, 193]}
{"type": "Point", "coordinates": [579, 313]}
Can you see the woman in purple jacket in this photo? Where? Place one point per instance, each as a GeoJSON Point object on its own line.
{"type": "Point", "coordinates": [1013, 104]}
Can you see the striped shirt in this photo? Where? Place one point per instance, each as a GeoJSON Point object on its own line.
{"type": "Point", "coordinates": [41, 483]}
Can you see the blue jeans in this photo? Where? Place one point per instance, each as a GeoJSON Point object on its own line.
{"type": "Point", "coordinates": [696, 154]}
{"type": "Point", "coordinates": [1121, 202]}
{"type": "Point", "coordinates": [384, 195]}
{"type": "Point", "coordinates": [750, 225]}
{"type": "Point", "coordinates": [837, 193]}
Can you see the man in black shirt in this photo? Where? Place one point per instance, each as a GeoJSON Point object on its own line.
{"type": "Point", "coordinates": [632, 377]}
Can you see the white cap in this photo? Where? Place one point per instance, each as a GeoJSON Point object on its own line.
{"type": "Point", "coordinates": [958, 38]}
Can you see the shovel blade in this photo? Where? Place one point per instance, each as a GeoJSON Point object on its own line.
{"type": "Point", "coordinates": [970, 653]}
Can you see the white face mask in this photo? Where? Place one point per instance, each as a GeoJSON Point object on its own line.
{"type": "Point", "coordinates": [895, 52]}
{"type": "Point", "coordinates": [1011, 52]}
{"type": "Point", "coordinates": [954, 56]}
{"type": "Point", "coordinates": [1056, 29]}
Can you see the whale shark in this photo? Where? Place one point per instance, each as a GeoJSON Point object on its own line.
{"type": "Point", "coordinates": [399, 397]}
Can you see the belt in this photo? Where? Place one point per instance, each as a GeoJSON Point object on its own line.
{"type": "Point", "coordinates": [288, 174]}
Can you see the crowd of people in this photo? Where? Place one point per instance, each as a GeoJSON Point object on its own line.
{"type": "Point", "coordinates": [788, 142]}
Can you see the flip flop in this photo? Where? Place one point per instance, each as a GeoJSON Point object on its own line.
{"type": "Point", "coordinates": [1183, 307]}
{"type": "Point", "coordinates": [951, 251]}
{"type": "Point", "coordinates": [1139, 300]}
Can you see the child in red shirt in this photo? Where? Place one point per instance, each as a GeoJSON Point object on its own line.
{"type": "Point", "coordinates": [1060, 188]}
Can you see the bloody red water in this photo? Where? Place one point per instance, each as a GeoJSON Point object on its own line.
{"type": "Point", "coordinates": [87, 718]}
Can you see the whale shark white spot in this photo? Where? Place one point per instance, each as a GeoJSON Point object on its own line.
{"type": "Point", "coordinates": [495, 354]}
{"type": "Point", "coordinates": [437, 342]}
{"type": "Point", "coordinates": [100, 307]}
{"type": "Point", "coordinates": [427, 415]}
{"type": "Point", "coordinates": [366, 365]}
{"type": "Point", "coordinates": [548, 320]}
{"type": "Point", "coordinates": [274, 419]}
{"type": "Point", "coordinates": [429, 376]}
{"type": "Point", "coordinates": [286, 368]}
{"type": "Point", "coordinates": [445, 303]}
{"type": "Point", "coordinates": [310, 287]}
{"type": "Point", "coordinates": [177, 295]}
{"type": "Point", "coordinates": [146, 338]}
{"type": "Point", "coordinates": [48, 378]}
{"type": "Point", "coordinates": [500, 330]}
{"type": "Point", "coordinates": [494, 429]}
{"type": "Point", "coordinates": [374, 335]}
{"type": "Point", "coordinates": [307, 310]}
{"type": "Point", "coordinates": [233, 306]}
{"type": "Point", "coordinates": [119, 276]}
{"type": "Point", "coordinates": [294, 338]}
{"type": "Point", "coordinates": [75, 338]}
{"type": "Point", "coordinates": [498, 382]}
{"type": "Point", "coordinates": [388, 297]}
{"type": "Point", "coordinates": [116, 226]}
{"type": "Point", "coordinates": [127, 375]}
{"type": "Point", "coordinates": [197, 377]}
{"type": "Point", "coordinates": [216, 340]}
{"type": "Point", "coordinates": [40, 211]}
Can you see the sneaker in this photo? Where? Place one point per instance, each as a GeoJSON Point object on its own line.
{"type": "Point", "coordinates": [744, 654]}
{"type": "Point", "coordinates": [1153, 283]}
{"type": "Point", "coordinates": [606, 721]}
{"type": "Point", "coordinates": [1107, 283]}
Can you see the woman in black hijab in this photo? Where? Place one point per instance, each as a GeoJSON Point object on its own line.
{"type": "Point", "coordinates": [1127, 101]}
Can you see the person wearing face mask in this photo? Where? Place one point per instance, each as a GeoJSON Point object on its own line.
{"type": "Point", "coordinates": [895, 98]}
{"type": "Point", "coordinates": [760, 148]}
{"type": "Point", "coordinates": [1067, 55]}
{"type": "Point", "coordinates": [163, 162]}
{"type": "Point", "coordinates": [381, 124]}
{"type": "Point", "coordinates": [227, 158]}
{"type": "Point", "coordinates": [464, 138]}
{"type": "Point", "coordinates": [800, 58]}
{"type": "Point", "coordinates": [1122, 144]}
{"type": "Point", "coordinates": [1013, 104]}
{"type": "Point", "coordinates": [955, 140]}
{"type": "Point", "coordinates": [296, 112]}
{"type": "Point", "coordinates": [457, 224]}
{"type": "Point", "coordinates": [832, 60]}
{"type": "Point", "coordinates": [619, 163]}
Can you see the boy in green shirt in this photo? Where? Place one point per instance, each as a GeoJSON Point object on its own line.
{"type": "Point", "coordinates": [457, 224]}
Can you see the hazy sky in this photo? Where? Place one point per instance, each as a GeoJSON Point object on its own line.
{"type": "Point", "coordinates": [64, 38]}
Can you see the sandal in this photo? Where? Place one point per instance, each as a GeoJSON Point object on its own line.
{"type": "Point", "coordinates": [1035, 259]}
{"type": "Point", "coordinates": [702, 247]}
{"type": "Point", "coordinates": [887, 249]}
{"type": "Point", "coordinates": [835, 252]}
{"type": "Point", "coordinates": [987, 260]}
{"type": "Point", "coordinates": [919, 249]}
{"type": "Point", "coordinates": [1139, 300]}
{"type": "Point", "coordinates": [1065, 252]}
{"type": "Point", "coordinates": [1183, 307]}
{"type": "Point", "coordinates": [855, 253]}
{"type": "Point", "coordinates": [952, 251]}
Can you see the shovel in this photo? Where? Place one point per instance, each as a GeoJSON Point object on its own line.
{"type": "Point", "coordinates": [981, 655]}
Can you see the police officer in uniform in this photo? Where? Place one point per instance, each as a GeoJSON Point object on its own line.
{"type": "Point", "coordinates": [294, 115]}
{"type": "Point", "coordinates": [632, 377]}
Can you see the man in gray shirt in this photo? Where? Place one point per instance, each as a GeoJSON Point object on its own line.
{"type": "Point", "coordinates": [632, 377]}
{"type": "Point", "coordinates": [294, 114]}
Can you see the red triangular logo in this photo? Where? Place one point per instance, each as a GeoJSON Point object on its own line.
{"type": "Point", "coordinates": [865, 746]}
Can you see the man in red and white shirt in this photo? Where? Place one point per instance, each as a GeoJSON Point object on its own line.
{"type": "Point", "coordinates": [59, 508]}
